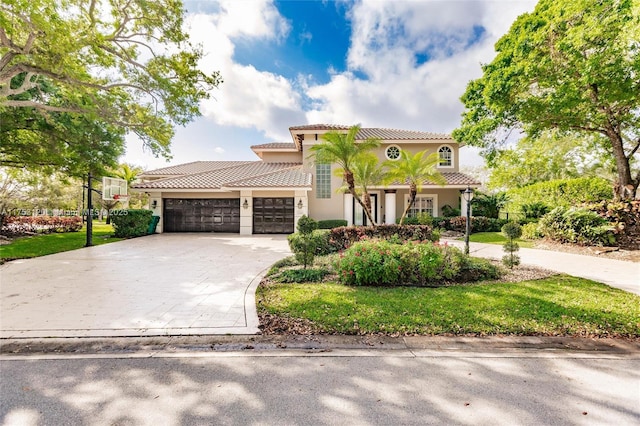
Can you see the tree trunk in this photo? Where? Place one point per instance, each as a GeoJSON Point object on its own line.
{"type": "Point", "coordinates": [625, 187]}
{"type": "Point", "coordinates": [413, 191]}
{"type": "Point", "coordinates": [348, 176]}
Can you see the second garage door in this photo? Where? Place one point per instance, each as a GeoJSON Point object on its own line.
{"type": "Point", "coordinates": [201, 215]}
{"type": "Point", "coordinates": [273, 216]}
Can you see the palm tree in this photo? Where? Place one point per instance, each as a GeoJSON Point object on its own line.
{"type": "Point", "coordinates": [367, 172]}
{"type": "Point", "coordinates": [341, 149]}
{"type": "Point", "coordinates": [130, 174]}
{"type": "Point", "coordinates": [415, 170]}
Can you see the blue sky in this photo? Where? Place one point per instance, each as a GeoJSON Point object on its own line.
{"type": "Point", "coordinates": [382, 63]}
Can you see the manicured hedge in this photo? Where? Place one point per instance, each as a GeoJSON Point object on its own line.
{"type": "Point", "coordinates": [383, 263]}
{"type": "Point", "coordinates": [343, 237]}
{"type": "Point", "coordinates": [331, 223]}
{"type": "Point", "coordinates": [132, 223]}
{"type": "Point", "coordinates": [559, 193]}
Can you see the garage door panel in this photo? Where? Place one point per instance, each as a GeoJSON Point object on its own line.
{"type": "Point", "coordinates": [273, 215]}
{"type": "Point", "coordinates": [202, 215]}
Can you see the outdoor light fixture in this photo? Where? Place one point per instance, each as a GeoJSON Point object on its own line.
{"type": "Point", "coordinates": [300, 203]}
{"type": "Point", "coordinates": [245, 204]}
{"type": "Point", "coordinates": [154, 204]}
{"type": "Point", "coordinates": [467, 194]}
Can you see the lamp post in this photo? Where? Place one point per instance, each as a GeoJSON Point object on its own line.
{"type": "Point", "coordinates": [468, 196]}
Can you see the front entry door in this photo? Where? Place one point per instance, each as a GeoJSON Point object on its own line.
{"type": "Point", "coordinates": [359, 218]}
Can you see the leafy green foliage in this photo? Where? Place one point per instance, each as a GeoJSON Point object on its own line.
{"type": "Point", "coordinates": [419, 219]}
{"type": "Point", "coordinates": [531, 231]}
{"type": "Point", "coordinates": [512, 231]}
{"type": "Point", "coordinates": [303, 243]}
{"type": "Point", "coordinates": [576, 225]}
{"type": "Point", "coordinates": [448, 211]}
{"type": "Point", "coordinates": [77, 80]}
{"type": "Point", "coordinates": [343, 238]}
{"type": "Point", "coordinates": [570, 66]}
{"type": "Point", "coordinates": [132, 223]}
{"type": "Point", "coordinates": [555, 306]}
{"type": "Point", "coordinates": [488, 205]}
{"type": "Point", "coordinates": [564, 192]}
{"type": "Point", "coordinates": [308, 275]}
{"type": "Point", "coordinates": [383, 263]}
{"type": "Point", "coordinates": [331, 223]}
{"type": "Point", "coordinates": [624, 217]}
{"type": "Point", "coordinates": [534, 210]}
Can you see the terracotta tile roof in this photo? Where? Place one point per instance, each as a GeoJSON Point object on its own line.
{"type": "Point", "coordinates": [219, 177]}
{"type": "Point", "coordinates": [194, 167]}
{"type": "Point", "coordinates": [274, 146]}
{"type": "Point", "coordinates": [374, 132]}
{"type": "Point", "coordinates": [395, 134]}
{"type": "Point", "coordinates": [320, 127]}
{"type": "Point", "coordinates": [452, 178]}
{"type": "Point", "coordinates": [293, 177]}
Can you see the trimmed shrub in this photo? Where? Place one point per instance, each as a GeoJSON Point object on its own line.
{"type": "Point", "coordinates": [132, 223]}
{"type": "Point", "coordinates": [300, 275]}
{"type": "Point", "coordinates": [448, 211]}
{"type": "Point", "coordinates": [419, 219]}
{"type": "Point", "coordinates": [576, 225]}
{"type": "Point", "coordinates": [560, 193]}
{"type": "Point", "coordinates": [511, 231]}
{"type": "Point", "coordinates": [331, 223]}
{"type": "Point", "coordinates": [382, 263]}
{"type": "Point", "coordinates": [302, 243]}
{"type": "Point", "coordinates": [343, 237]}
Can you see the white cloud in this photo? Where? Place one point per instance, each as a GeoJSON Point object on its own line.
{"type": "Point", "coordinates": [399, 92]}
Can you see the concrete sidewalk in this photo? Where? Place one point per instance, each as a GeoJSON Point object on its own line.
{"type": "Point", "coordinates": [616, 273]}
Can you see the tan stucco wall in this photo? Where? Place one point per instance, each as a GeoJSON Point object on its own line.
{"type": "Point", "coordinates": [282, 157]}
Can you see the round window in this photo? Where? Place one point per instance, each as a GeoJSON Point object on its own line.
{"type": "Point", "coordinates": [393, 152]}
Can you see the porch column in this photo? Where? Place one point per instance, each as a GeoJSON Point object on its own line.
{"type": "Point", "coordinates": [348, 208]}
{"type": "Point", "coordinates": [246, 212]}
{"type": "Point", "coordinates": [389, 206]}
{"type": "Point", "coordinates": [301, 205]}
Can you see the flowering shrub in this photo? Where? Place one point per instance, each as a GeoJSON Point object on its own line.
{"type": "Point", "coordinates": [343, 237]}
{"type": "Point", "coordinates": [20, 225]}
{"type": "Point", "coordinates": [383, 263]}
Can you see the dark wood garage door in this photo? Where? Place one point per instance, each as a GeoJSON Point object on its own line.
{"type": "Point", "coordinates": [201, 215]}
{"type": "Point", "coordinates": [273, 216]}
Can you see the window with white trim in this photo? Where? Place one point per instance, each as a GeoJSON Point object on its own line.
{"type": "Point", "coordinates": [445, 154]}
{"type": "Point", "coordinates": [323, 180]}
{"type": "Point", "coordinates": [392, 152]}
{"type": "Point", "coordinates": [423, 204]}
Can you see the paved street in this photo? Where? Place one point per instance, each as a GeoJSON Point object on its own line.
{"type": "Point", "coordinates": [166, 284]}
{"type": "Point", "coordinates": [341, 387]}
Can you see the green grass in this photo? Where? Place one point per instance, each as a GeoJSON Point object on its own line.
{"type": "Point", "coordinates": [560, 305]}
{"type": "Point", "coordinates": [41, 245]}
{"type": "Point", "coordinates": [496, 238]}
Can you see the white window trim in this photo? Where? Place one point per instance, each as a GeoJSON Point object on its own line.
{"type": "Point", "coordinates": [436, 210]}
{"type": "Point", "coordinates": [453, 159]}
{"type": "Point", "coordinates": [392, 146]}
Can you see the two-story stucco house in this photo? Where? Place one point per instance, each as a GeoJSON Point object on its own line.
{"type": "Point", "coordinates": [269, 195]}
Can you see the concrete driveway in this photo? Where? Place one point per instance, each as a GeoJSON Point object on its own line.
{"type": "Point", "coordinates": [164, 284]}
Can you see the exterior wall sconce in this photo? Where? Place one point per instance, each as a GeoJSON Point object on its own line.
{"type": "Point", "coordinates": [154, 204]}
{"type": "Point", "coordinates": [300, 204]}
{"type": "Point", "coordinates": [467, 194]}
{"type": "Point", "coordinates": [245, 205]}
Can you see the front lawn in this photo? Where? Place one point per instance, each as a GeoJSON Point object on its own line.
{"type": "Point", "coordinates": [41, 245]}
{"type": "Point", "coordinates": [559, 305]}
{"type": "Point", "coordinates": [496, 238]}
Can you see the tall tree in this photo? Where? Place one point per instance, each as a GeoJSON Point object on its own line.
{"type": "Point", "coordinates": [569, 65]}
{"type": "Point", "coordinates": [127, 64]}
{"type": "Point", "coordinates": [415, 170]}
{"type": "Point", "coordinates": [343, 150]}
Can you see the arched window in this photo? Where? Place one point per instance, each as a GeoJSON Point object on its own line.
{"type": "Point", "coordinates": [446, 156]}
